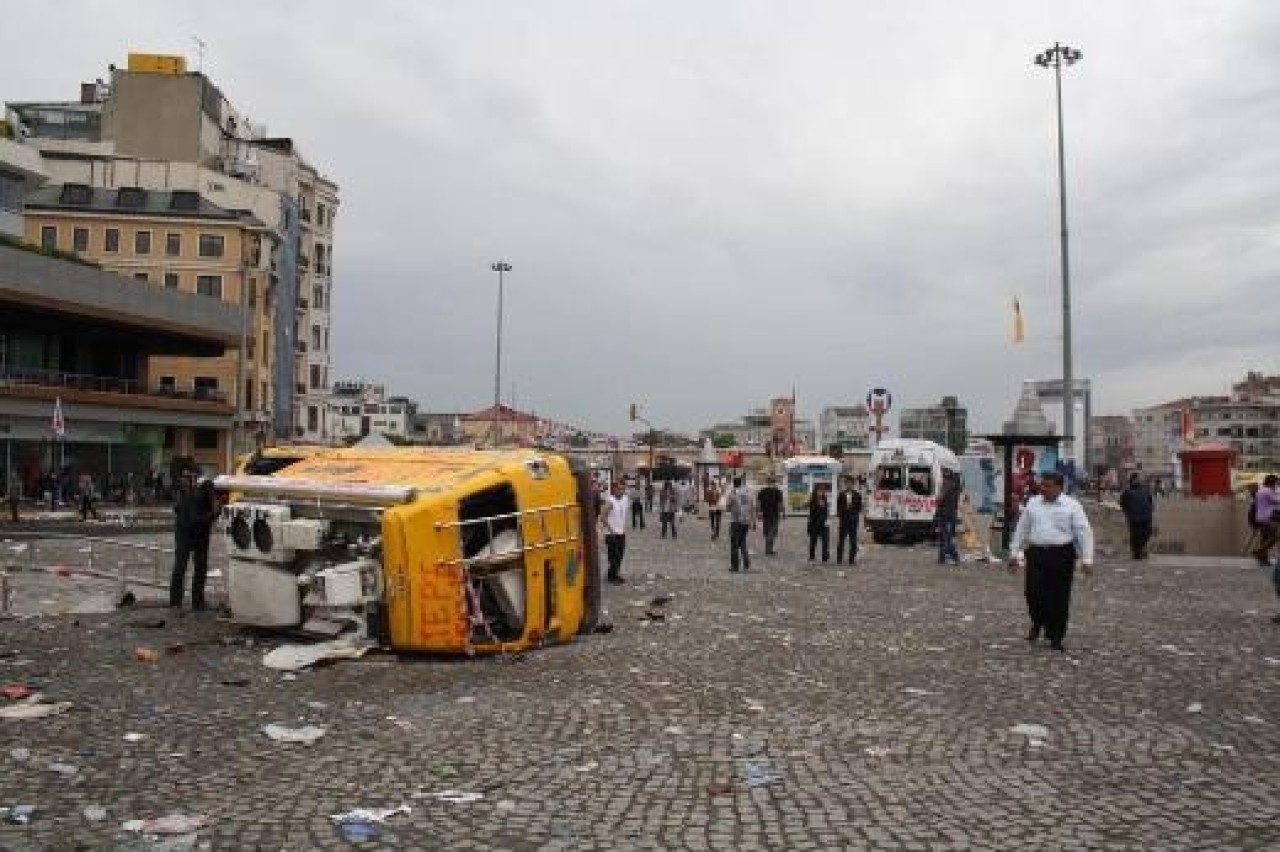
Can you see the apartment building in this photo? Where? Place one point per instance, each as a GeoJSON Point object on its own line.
{"type": "Point", "coordinates": [154, 126]}
{"type": "Point", "coordinates": [946, 423]}
{"type": "Point", "coordinates": [845, 426]}
{"type": "Point", "coordinates": [357, 409]}
{"type": "Point", "coordinates": [1111, 444]}
{"type": "Point", "coordinates": [177, 241]}
{"type": "Point", "coordinates": [21, 171]}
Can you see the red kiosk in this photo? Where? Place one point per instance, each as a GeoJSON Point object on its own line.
{"type": "Point", "coordinates": [1206, 468]}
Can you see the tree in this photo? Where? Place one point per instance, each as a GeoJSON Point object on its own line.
{"type": "Point", "coordinates": [724, 440]}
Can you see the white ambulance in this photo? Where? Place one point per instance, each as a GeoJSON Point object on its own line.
{"type": "Point", "coordinates": [905, 481]}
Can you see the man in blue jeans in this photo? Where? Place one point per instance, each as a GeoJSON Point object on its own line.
{"type": "Point", "coordinates": [945, 517]}
{"type": "Point", "coordinates": [742, 519]}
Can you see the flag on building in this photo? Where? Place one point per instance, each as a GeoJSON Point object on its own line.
{"type": "Point", "coordinates": [59, 424]}
{"type": "Point", "coordinates": [1019, 329]}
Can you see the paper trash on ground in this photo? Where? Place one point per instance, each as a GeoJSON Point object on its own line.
{"type": "Point", "coordinates": [33, 710]}
{"type": "Point", "coordinates": [307, 734]}
{"type": "Point", "coordinates": [171, 824]}
{"type": "Point", "coordinates": [370, 814]}
{"type": "Point", "coordinates": [293, 657]}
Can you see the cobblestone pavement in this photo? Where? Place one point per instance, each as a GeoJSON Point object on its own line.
{"type": "Point", "coordinates": [794, 706]}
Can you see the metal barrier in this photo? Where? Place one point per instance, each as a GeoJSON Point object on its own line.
{"type": "Point", "coordinates": [97, 556]}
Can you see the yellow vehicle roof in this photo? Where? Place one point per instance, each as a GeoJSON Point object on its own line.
{"type": "Point", "coordinates": [424, 468]}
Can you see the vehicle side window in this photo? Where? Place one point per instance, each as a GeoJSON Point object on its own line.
{"type": "Point", "coordinates": [920, 481]}
{"type": "Point", "coordinates": [889, 478]}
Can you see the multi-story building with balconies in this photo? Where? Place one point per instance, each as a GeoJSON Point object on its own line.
{"type": "Point", "coordinates": [156, 126]}
{"type": "Point", "coordinates": [845, 427]}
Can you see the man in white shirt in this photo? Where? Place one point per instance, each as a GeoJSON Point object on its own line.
{"type": "Point", "coordinates": [1052, 532]}
{"type": "Point", "coordinates": [613, 520]}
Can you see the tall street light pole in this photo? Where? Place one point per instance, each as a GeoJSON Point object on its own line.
{"type": "Point", "coordinates": [1056, 57]}
{"type": "Point", "coordinates": [501, 267]}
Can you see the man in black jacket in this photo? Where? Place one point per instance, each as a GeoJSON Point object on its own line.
{"type": "Point", "coordinates": [945, 517]}
{"type": "Point", "coordinates": [848, 512]}
{"type": "Point", "coordinates": [1139, 512]}
{"type": "Point", "coordinates": [193, 516]}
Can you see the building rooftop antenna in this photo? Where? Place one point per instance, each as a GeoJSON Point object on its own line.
{"type": "Point", "coordinates": [200, 46]}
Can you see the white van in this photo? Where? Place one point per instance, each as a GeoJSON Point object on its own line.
{"type": "Point", "coordinates": [905, 481]}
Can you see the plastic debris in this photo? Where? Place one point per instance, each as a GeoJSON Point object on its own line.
{"type": "Point", "coordinates": [1035, 732]}
{"type": "Point", "coordinates": [64, 769]}
{"type": "Point", "coordinates": [134, 738]}
{"type": "Point", "coordinates": [94, 813]}
{"type": "Point", "coordinates": [367, 815]}
{"type": "Point", "coordinates": [15, 690]}
{"type": "Point", "coordinates": [171, 824]}
{"type": "Point", "coordinates": [357, 832]}
{"type": "Point", "coordinates": [293, 657]}
{"type": "Point", "coordinates": [459, 797]}
{"type": "Point", "coordinates": [20, 754]}
{"type": "Point", "coordinates": [18, 814]}
{"type": "Point", "coordinates": [307, 734]}
{"type": "Point", "coordinates": [34, 710]}
{"type": "Point", "coordinates": [760, 773]}
{"type": "Point", "coordinates": [754, 705]}
{"type": "Point", "coordinates": [878, 751]}
{"type": "Point", "coordinates": [589, 766]}
{"type": "Point", "coordinates": [1195, 707]}
{"type": "Point", "coordinates": [915, 690]}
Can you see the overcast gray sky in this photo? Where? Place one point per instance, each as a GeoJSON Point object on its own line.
{"type": "Point", "coordinates": [706, 203]}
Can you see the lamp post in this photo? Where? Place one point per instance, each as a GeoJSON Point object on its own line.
{"type": "Point", "coordinates": [501, 267]}
{"type": "Point", "coordinates": [1056, 57]}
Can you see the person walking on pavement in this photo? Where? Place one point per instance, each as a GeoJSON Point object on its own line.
{"type": "Point", "coordinates": [193, 516]}
{"type": "Point", "coordinates": [742, 519]}
{"type": "Point", "coordinates": [769, 506]}
{"type": "Point", "coordinates": [613, 520]}
{"type": "Point", "coordinates": [1266, 520]}
{"type": "Point", "coordinates": [14, 495]}
{"type": "Point", "coordinates": [945, 516]}
{"type": "Point", "coordinates": [1052, 533]}
{"type": "Point", "coordinates": [848, 512]}
{"type": "Point", "coordinates": [648, 493]}
{"type": "Point", "coordinates": [668, 505]}
{"type": "Point", "coordinates": [1139, 511]}
{"type": "Point", "coordinates": [86, 499]}
{"type": "Point", "coordinates": [715, 511]}
{"type": "Point", "coordinates": [819, 518]}
{"type": "Point", "coordinates": [636, 498]}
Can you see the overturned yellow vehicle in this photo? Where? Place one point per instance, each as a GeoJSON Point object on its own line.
{"type": "Point", "coordinates": [417, 549]}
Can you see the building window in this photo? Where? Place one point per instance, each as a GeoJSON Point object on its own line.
{"type": "Point", "coordinates": [168, 385]}
{"type": "Point", "coordinates": [315, 337]}
{"type": "Point", "coordinates": [80, 240]}
{"type": "Point", "coordinates": [11, 190]}
{"type": "Point", "coordinates": [209, 285]}
{"type": "Point", "coordinates": [142, 242]}
{"type": "Point", "coordinates": [111, 240]}
{"type": "Point", "coordinates": [141, 276]}
{"type": "Point", "coordinates": [317, 300]}
{"type": "Point", "coordinates": [313, 419]}
{"type": "Point", "coordinates": [48, 237]}
{"type": "Point", "coordinates": [171, 280]}
{"type": "Point", "coordinates": [212, 245]}
{"type": "Point", "coordinates": [173, 245]}
{"type": "Point", "coordinates": [206, 439]}
{"type": "Point", "coordinates": [315, 377]}
{"type": "Point", "coordinates": [206, 387]}
{"type": "Point", "coordinates": [320, 210]}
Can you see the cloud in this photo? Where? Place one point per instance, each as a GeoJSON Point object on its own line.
{"type": "Point", "coordinates": [705, 204]}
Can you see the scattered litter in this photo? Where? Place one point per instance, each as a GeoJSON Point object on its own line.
{"type": "Point", "coordinates": [1174, 649]}
{"type": "Point", "coordinates": [235, 681]}
{"type": "Point", "coordinates": [33, 710]}
{"type": "Point", "coordinates": [357, 832]}
{"type": "Point", "coordinates": [465, 699]}
{"type": "Point", "coordinates": [441, 769]}
{"type": "Point", "coordinates": [603, 627]}
{"type": "Point", "coordinates": [1272, 661]}
{"type": "Point", "coordinates": [317, 705]}
{"type": "Point", "coordinates": [459, 797]}
{"type": "Point", "coordinates": [307, 734]}
{"type": "Point", "coordinates": [66, 770]}
{"type": "Point", "coordinates": [662, 600]}
{"type": "Point", "coordinates": [171, 824]}
{"type": "Point", "coordinates": [754, 706]}
{"type": "Point", "coordinates": [175, 648]}
{"type": "Point", "coordinates": [1222, 747]}
{"type": "Point", "coordinates": [505, 805]}
{"type": "Point", "coordinates": [134, 737]}
{"type": "Point", "coordinates": [934, 649]}
{"type": "Point", "coordinates": [145, 655]}
{"type": "Point", "coordinates": [366, 815]}
{"type": "Point", "coordinates": [589, 766]}
{"type": "Point", "coordinates": [294, 657]}
{"type": "Point", "coordinates": [878, 751]}
{"type": "Point", "coordinates": [654, 615]}
{"type": "Point", "coordinates": [721, 788]}
{"type": "Point", "coordinates": [915, 690]}
{"type": "Point", "coordinates": [967, 618]}
{"type": "Point", "coordinates": [1254, 720]}
{"type": "Point", "coordinates": [15, 690]}
{"type": "Point", "coordinates": [23, 754]}
{"type": "Point", "coordinates": [674, 730]}
{"type": "Point", "coordinates": [1194, 707]}
{"type": "Point", "coordinates": [760, 772]}
{"type": "Point", "coordinates": [1032, 732]}
{"type": "Point", "coordinates": [94, 813]}
{"type": "Point", "coordinates": [18, 814]}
